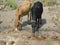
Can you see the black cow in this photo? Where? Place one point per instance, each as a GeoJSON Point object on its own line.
{"type": "Point", "coordinates": [36, 14]}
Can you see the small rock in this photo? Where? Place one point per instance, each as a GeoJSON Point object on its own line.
{"type": "Point", "coordinates": [10, 43]}
{"type": "Point", "coordinates": [2, 43]}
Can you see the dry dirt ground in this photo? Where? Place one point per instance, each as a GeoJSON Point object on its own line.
{"type": "Point", "coordinates": [49, 33]}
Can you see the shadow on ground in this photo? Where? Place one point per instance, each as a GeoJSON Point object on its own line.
{"type": "Point", "coordinates": [43, 22]}
{"type": "Point", "coordinates": [30, 23]}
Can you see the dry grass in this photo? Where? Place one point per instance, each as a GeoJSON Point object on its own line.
{"type": "Point", "coordinates": [49, 2]}
{"type": "Point", "coordinates": [56, 20]}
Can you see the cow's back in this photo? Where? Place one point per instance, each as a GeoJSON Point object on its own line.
{"type": "Point", "coordinates": [37, 12]}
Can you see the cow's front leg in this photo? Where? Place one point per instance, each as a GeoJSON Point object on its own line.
{"type": "Point", "coordinates": [16, 23]}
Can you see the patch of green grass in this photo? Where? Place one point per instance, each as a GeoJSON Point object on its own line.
{"type": "Point", "coordinates": [2, 2]}
{"type": "Point", "coordinates": [12, 3]}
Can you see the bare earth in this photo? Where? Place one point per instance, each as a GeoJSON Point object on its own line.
{"type": "Point", "coordinates": [49, 33]}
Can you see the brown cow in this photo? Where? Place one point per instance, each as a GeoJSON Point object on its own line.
{"type": "Point", "coordinates": [21, 11]}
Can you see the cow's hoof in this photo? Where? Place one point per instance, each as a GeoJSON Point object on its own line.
{"type": "Point", "coordinates": [16, 29]}
{"type": "Point", "coordinates": [20, 28]}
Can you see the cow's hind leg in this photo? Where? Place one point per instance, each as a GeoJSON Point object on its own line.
{"type": "Point", "coordinates": [20, 24]}
{"type": "Point", "coordinates": [39, 22]}
{"type": "Point", "coordinates": [34, 22]}
{"type": "Point", "coordinates": [28, 18]}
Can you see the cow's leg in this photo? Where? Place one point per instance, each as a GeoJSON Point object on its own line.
{"type": "Point", "coordinates": [16, 23]}
{"type": "Point", "coordinates": [33, 27]}
{"type": "Point", "coordinates": [28, 16]}
{"type": "Point", "coordinates": [37, 27]}
{"type": "Point", "coordinates": [40, 19]}
{"type": "Point", "coordinates": [20, 27]}
{"type": "Point", "coordinates": [38, 23]}
{"type": "Point", "coordinates": [33, 23]}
